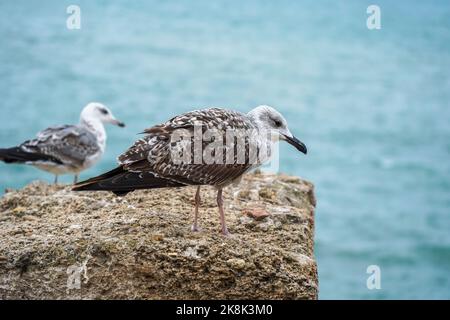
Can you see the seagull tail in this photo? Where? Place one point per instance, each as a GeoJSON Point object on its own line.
{"type": "Point", "coordinates": [121, 182]}
{"type": "Point", "coordinates": [18, 155]}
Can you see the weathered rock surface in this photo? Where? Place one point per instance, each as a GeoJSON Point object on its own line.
{"type": "Point", "coordinates": [58, 244]}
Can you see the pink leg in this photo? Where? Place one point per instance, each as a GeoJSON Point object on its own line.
{"type": "Point", "coordinates": [222, 214]}
{"type": "Point", "coordinates": [197, 203]}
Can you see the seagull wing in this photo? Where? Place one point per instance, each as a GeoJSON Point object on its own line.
{"type": "Point", "coordinates": [149, 164]}
{"type": "Point", "coordinates": [68, 144]}
{"type": "Point", "coordinates": [154, 152]}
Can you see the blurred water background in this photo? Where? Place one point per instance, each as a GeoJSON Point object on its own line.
{"type": "Point", "coordinates": [372, 106]}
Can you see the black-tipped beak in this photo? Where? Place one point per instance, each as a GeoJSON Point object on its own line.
{"type": "Point", "coordinates": [119, 123]}
{"type": "Point", "coordinates": [300, 146]}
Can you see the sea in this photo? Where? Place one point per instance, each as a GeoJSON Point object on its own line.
{"type": "Point", "coordinates": [370, 100]}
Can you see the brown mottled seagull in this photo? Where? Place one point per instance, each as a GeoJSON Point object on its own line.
{"type": "Point", "coordinates": [227, 141]}
{"type": "Point", "coordinates": [66, 148]}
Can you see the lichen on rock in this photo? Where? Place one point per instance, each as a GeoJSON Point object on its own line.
{"type": "Point", "coordinates": [59, 244]}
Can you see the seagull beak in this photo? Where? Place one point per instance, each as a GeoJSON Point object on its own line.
{"type": "Point", "coordinates": [118, 123]}
{"type": "Point", "coordinates": [300, 146]}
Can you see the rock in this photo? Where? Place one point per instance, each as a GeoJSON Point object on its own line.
{"type": "Point", "coordinates": [256, 213]}
{"type": "Point", "coordinates": [58, 244]}
{"type": "Point", "coordinates": [237, 264]}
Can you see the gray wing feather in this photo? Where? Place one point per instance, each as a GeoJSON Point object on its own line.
{"type": "Point", "coordinates": [70, 144]}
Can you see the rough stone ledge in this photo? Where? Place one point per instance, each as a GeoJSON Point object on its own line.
{"type": "Point", "coordinates": [58, 244]}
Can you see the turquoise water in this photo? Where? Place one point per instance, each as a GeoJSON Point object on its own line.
{"type": "Point", "coordinates": [372, 106]}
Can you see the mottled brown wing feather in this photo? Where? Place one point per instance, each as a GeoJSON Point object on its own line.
{"type": "Point", "coordinates": [152, 153]}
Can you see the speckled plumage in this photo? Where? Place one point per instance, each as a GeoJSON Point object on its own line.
{"type": "Point", "coordinates": [152, 153]}
{"type": "Point", "coordinates": [167, 156]}
{"type": "Point", "coordinates": [149, 163]}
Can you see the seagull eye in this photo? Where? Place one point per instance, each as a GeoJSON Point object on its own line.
{"type": "Point", "coordinates": [277, 123]}
{"type": "Point", "coordinates": [104, 111]}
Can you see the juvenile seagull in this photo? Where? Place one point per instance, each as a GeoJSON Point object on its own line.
{"type": "Point", "coordinates": [67, 148]}
{"type": "Point", "coordinates": [150, 162]}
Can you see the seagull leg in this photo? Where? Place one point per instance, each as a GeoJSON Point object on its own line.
{"type": "Point", "coordinates": [197, 203]}
{"type": "Point", "coordinates": [56, 180]}
{"type": "Point", "coordinates": [222, 214]}
{"type": "Point", "coordinates": [75, 178]}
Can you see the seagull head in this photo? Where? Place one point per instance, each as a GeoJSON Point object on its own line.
{"type": "Point", "coordinates": [269, 119]}
{"type": "Point", "coordinates": [100, 112]}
